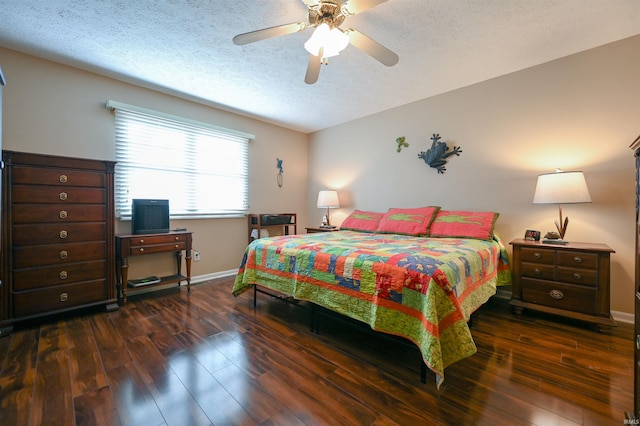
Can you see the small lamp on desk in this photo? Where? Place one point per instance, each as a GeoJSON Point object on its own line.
{"type": "Point", "coordinates": [561, 188]}
{"type": "Point", "coordinates": [329, 200]}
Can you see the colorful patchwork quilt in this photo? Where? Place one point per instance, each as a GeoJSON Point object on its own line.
{"type": "Point", "coordinates": [423, 289]}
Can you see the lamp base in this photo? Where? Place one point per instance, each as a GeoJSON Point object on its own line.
{"type": "Point", "coordinates": [555, 241]}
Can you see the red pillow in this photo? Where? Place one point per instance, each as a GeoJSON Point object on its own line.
{"type": "Point", "coordinates": [407, 221]}
{"type": "Point", "coordinates": [464, 224]}
{"type": "Point", "coordinates": [363, 221]}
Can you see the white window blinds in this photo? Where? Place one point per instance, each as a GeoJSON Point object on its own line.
{"type": "Point", "coordinates": [203, 170]}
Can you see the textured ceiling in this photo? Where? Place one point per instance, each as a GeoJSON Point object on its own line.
{"type": "Point", "coordinates": [185, 48]}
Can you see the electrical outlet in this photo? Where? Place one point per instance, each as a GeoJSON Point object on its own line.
{"type": "Point", "coordinates": [196, 255]}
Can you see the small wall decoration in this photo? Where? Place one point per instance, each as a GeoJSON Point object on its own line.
{"type": "Point", "coordinates": [280, 176]}
{"type": "Point", "coordinates": [437, 155]}
{"type": "Point", "coordinates": [401, 143]}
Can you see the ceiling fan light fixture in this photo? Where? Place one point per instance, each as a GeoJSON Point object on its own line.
{"type": "Point", "coordinates": [328, 41]}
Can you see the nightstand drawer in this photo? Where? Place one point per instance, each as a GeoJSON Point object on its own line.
{"type": "Point", "coordinates": [535, 255]}
{"type": "Point", "coordinates": [557, 295]}
{"type": "Point", "coordinates": [587, 277]}
{"type": "Point", "coordinates": [539, 271]}
{"type": "Point", "coordinates": [578, 259]}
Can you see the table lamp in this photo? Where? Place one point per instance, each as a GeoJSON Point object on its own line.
{"type": "Point", "coordinates": [329, 200]}
{"type": "Point", "coordinates": [561, 188]}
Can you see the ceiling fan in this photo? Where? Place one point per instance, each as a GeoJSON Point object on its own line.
{"type": "Point", "coordinates": [328, 38]}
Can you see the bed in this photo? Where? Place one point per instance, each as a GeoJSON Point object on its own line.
{"type": "Point", "coordinates": [422, 288]}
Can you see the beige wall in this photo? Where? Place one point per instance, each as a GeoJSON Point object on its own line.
{"type": "Point", "coordinates": [54, 109]}
{"type": "Point", "coordinates": [577, 113]}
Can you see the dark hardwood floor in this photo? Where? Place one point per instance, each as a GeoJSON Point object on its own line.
{"type": "Point", "coordinates": [170, 358]}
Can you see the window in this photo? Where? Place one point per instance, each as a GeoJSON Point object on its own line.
{"type": "Point", "coordinates": [203, 170]}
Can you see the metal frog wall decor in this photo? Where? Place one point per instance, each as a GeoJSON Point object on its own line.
{"type": "Point", "coordinates": [437, 155]}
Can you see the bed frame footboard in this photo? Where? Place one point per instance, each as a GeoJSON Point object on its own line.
{"type": "Point", "coordinates": [314, 322]}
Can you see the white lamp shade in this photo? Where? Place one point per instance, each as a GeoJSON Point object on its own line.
{"type": "Point", "coordinates": [561, 188]}
{"type": "Point", "coordinates": [331, 40]}
{"type": "Point", "coordinates": [328, 199]}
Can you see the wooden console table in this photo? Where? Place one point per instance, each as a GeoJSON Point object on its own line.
{"type": "Point", "coordinates": [128, 245]}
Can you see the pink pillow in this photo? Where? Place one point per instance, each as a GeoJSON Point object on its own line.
{"type": "Point", "coordinates": [407, 221]}
{"type": "Point", "coordinates": [463, 224]}
{"type": "Point", "coordinates": [363, 221]}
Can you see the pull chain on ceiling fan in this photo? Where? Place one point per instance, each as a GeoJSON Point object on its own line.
{"type": "Point", "coordinates": [328, 38]}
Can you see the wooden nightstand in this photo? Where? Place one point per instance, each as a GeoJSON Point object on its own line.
{"type": "Point", "coordinates": [313, 230]}
{"type": "Point", "coordinates": [570, 280]}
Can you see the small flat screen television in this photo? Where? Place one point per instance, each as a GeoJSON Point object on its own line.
{"type": "Point", "coordinates": [149, 216]}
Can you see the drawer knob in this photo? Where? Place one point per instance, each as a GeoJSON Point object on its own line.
{"type": "Point", "coordinates": [63, 214]}
{"type": "Point", "coordinates": [177, 238]}
{"type": "Point", "coordinates": [141, 249]}
{"type": "Point", "coordinates": [64, 254]}
{"type": "Point", "coordinates": [537, 271]}
{"type": "Point", "coordinates": [64, 297]}
{"type": "Point", "coordinates": [177, 246]}
{"type": "Point", "coordinates": [537, 255]}
{"type": "Point", "coordinates": [577, 276]}
{"type": "Point", "coordinates": [556, 294]}
{"type": "Point", "coordinates": [577, 259]}
{"type": "Point", "coordinates": [63, 196]}
{"type": "Point", "coordinates": [63, 275]}
{"type": "Point", "coordinates": [64, 234]}
{"type": "Point", "coordinates": [141, 241]}
{"type": "Point", "coordinates": [638, 342]}
{"type": "Point", "coordinates": [63, 178]}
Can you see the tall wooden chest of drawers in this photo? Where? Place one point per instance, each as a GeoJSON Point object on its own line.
{"type": "Point", "coordinates": [57, 235]}
{"type": "Point", "coordinates": [570, 280]}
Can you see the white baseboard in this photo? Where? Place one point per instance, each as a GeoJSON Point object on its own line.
{"type": "Point", "coordinates": [213, 276]}
{"type": "Point", "coordinates": [623, 317]}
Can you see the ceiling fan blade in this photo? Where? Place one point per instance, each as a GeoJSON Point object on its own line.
{"type": "Point", "coordinates": [351, 7]}
{"type": "Point", "coordinates": [280, 30]}
{"type": "Point", "coordinates": [311, 3]}
{"type": "Point", "coordinates": [313, 69]}
{"type": "Point", "coordinates": [372, 48]}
